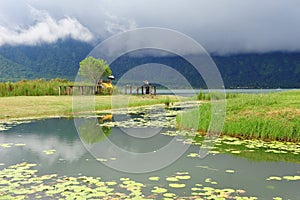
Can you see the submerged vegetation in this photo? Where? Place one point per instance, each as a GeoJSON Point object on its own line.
{"type": "Point", "coordinates": [273, 116]}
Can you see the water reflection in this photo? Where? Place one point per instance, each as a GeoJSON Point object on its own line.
{"type": "Point", "coordinates": [31, 140]}
{"type": "Point", "coordinates": [90, 132]}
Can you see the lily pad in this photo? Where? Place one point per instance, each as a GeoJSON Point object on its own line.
{"type": "Point", "coordinates": [101, 159]}
{"type": "Point", "coordinates": [49, 152]}
{"type": "Point", "coordinates": [186, 177]}
{"type": "Point", "coordinates": [196, 189]}
{"type": "Point", "coordinates": [291, 178]}
{"type": "Point", "coordinates": [124, 179]}
{"type": "Point", "coordinates": [20, 145]}
{"type": "Point", "coordinates": [236, 152]}
{"type": "Point", "coordinates": [182, 173]}
{"type": "Point", "coordinates": [159, 190]}
{"type": "Point", "coordinates": [207, 180]}
{"type": "Point", "coordinates": [230, 171]}
{"type": "Point", "coordinates": [169, 195]}
{"type": "Point", "coordinates": [110, 183]}
{"type": "Point", "coordinates": [6, 145]}
{"type": "Point", "coordinates": [177, 185]}
{"type": "Point", "coordinates": [172, 179]}
{"type": "Point", "coordinates": [154, 178]}
{"type": "Point", "coordinates": [193, 155]}
{"type": "Point", "coordinates": [274, 178]}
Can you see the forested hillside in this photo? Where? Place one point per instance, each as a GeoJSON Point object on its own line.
{"type": "Point", "coordinates": [44, 61]}
{"type": "Point", "coordinates": [10, 70]}
{"type": "Point", "coordinates": [61, 60]}
{"type": "Point", "coordinates": [272, 70]}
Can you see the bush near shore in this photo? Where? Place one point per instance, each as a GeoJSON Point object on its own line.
{"type": "Point", "coordinates": [273, 116]}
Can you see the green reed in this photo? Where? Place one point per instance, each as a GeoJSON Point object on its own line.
{"type": "Point", "coordinates": [274, 116]}
{"type": "Point", "coordinates": [38, 87]}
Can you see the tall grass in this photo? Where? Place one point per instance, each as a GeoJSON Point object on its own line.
{"type": "Point", "coordinates": [39, 87]}
{"type": "Point", "coordinates": [215, 96]}
{"type": "Point", "coordinates": [273, 116]}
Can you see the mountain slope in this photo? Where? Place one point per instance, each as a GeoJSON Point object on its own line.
{"type": "Point", "coordinates": [11, 71]}
{"type": "Point", "coordinates": [48, 60]}
{"type": "Point", "coordinates": [260, 70]}
{"type": "Point", "coordinates": [268, 70]}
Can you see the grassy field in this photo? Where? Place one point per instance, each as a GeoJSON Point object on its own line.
{"type": "Point", "coordinates": [274, 116]}
{"type": "Point", "coordinates": [32, 107]}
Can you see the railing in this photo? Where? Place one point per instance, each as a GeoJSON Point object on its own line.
{"type": "Point", "coordinates": [144, 90]}
{"type": "Point", "coordinates": [92, 90]}
{"type": "Point", "coordinates": [79, 90]}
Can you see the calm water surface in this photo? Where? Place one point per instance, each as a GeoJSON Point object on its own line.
{"type": "Point", "coordinates": [191, 92]}
{"type": "Point", "coordinates": [251, 168]}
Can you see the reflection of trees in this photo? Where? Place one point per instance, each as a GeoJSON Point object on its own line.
{"type": "Point", "coordinates": [92, 133]}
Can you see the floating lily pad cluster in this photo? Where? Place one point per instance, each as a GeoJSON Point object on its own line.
{"type": "Point", "coordinates": [227, 144]}
{"type": "Point", "coordinates": [269, 146]}
{"type": "Point", "coordinates": [154, 116]}
{"type": "Point", "coordinates": [10, 124]}
{"type": "Point", "coordinates": [205, 192]}
{"type": "Point", "coordinates": [287, 178]}
{"type": "Point", "coordinates": [21, 182]}
{"type": "Point", "coordinates": [199, 191]}
{"type": "Point", "coordinates": [9, 145]}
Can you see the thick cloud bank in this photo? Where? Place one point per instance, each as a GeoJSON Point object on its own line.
{"type": "Point", "coordinates": [221, 26]}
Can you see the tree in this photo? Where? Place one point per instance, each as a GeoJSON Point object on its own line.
{"type": "Point", "coordinates": [92, 69]}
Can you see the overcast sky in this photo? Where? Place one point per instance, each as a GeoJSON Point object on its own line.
{"type": "Point", "coordinates": [222, 26]}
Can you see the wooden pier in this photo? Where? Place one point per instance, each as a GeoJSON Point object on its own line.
{"type": "Point", "coordinates": [151, 90]}
{"type": "Point", "coordinates": [79, 90]}
{"type": "Point", "coordinates": [92, 90]}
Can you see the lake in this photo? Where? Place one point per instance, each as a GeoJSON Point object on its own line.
{"type": "Point", "coordinates": [191, 92]}
{"type": "Point", "coordinates": [49, 159]}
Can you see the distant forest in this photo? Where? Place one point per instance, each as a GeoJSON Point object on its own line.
{"type": "Point", "coordinates": [61, 60]}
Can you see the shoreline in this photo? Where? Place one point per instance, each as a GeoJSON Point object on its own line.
{"type": "Point", "coordinates": [26, 108]}
{"type": "Point", "coordinates": [267, 117]}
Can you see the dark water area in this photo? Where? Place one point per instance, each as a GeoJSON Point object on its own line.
{"type": "Point", "coordinates": [29, 142]}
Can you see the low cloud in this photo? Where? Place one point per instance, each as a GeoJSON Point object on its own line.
{"type": "Point", "coordinates": [114, 24]}
{"type": "Point", "coordinates": [45, 29]}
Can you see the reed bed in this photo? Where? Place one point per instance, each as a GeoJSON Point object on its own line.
{"type": "Point", "coordinates": [38, 87]}
{"type": "Point", "coordinates": [274, 116]}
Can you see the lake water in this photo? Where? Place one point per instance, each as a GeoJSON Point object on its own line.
{"type": "Point", "coordinates": [191, 92]}
{"type": "Point", "coordinates": [242, 168]}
